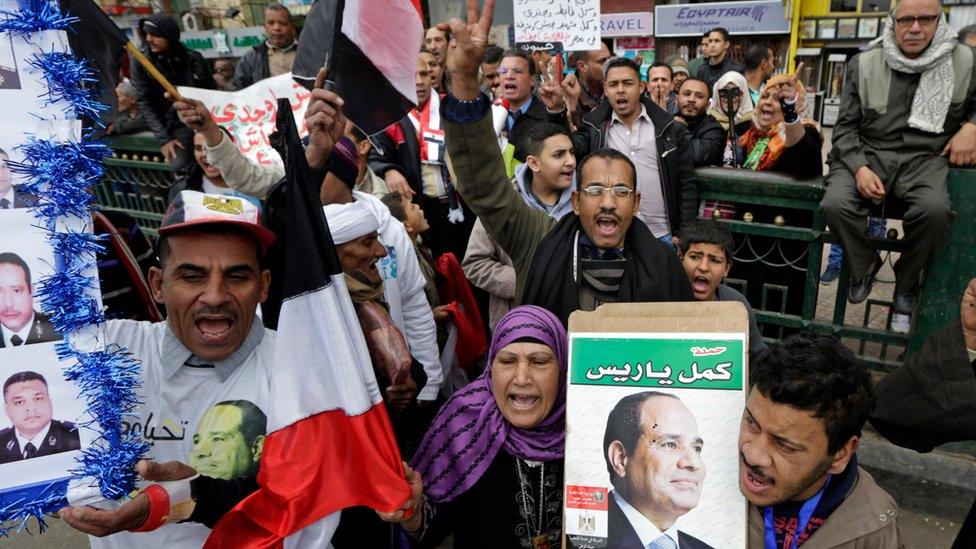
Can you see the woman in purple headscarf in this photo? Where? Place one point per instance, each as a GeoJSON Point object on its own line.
{"type": "Point", "coordinates": [490, 468]}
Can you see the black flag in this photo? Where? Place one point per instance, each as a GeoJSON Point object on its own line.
{"type": "Point", "coordinates": [98, 39]}
{"type": "Point", "coordinates": [370, 48]}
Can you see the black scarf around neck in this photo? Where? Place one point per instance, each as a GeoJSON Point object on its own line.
{"type": "Point", "coordinates": [651, 272]}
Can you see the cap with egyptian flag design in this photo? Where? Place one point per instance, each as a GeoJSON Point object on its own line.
{"type": "Point", "coordinates": [194, 209]}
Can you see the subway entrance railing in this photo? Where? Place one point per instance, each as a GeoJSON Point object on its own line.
{"type": "Point", "coordinates": [137, 182]}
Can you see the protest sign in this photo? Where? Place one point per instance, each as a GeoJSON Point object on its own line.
{"type": "Point", "coordinates": [249, 114]}
{"type": "Point", "coordinates": [655, 388]}
{"type": "Point", "coordinates": [575, 23]}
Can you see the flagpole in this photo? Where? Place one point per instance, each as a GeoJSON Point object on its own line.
{"type": "Point", "coordinates": [332, 59]}
{"type": "Point", "coordinates": [153, 71]}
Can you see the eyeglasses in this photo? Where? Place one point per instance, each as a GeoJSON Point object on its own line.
{"type": "Point", "coordinates": [619, 191]}
{"type": "Point", "coordinates": [923, 20]}
{"type": "Point", "coordinates": [505, 70]}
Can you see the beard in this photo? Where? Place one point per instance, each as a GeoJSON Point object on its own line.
{"type": "Point", "coordinates": [803, 485]}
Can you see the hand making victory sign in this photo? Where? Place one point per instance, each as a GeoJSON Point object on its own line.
{"type": "Point", "coordinates": [466, 49]}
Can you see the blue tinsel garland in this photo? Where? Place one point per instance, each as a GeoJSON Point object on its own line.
{"type": "Point", "coordinates": [61, 175]}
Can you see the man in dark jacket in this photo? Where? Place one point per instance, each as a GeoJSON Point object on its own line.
{"type": "Point", "coordinates": [706, 136]}
{"type": "Point", "coordinates": [525, 108]}
{"type": "Point", "coordinates": [658, 146]}
{"type": "Point", "coordinates": [595, 255]}
{"type": "Point", "coordinates": [182, 67]}
{"type": "Point", "coordinates": [931, 399]}
{"type": "Point", "coordinates": [719, 62]}
{"type": "Point", "coordinates": [275, 55]}
{"type": "Point", "coordinates": [418, 169]}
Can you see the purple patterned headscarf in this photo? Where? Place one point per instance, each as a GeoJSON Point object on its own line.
{"type": "Point", "coordinates": [470, 429]}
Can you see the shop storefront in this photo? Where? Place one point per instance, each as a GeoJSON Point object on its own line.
{"type": "Point", "coordinates": [631, 34]}
{"type": "Point", "coordinates": [831, 32]}
{"type": "Point", "coordinates": [678, 28]}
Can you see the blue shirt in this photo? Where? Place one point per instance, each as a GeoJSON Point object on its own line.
{"type": "Point", "coordinates": [521, 110]}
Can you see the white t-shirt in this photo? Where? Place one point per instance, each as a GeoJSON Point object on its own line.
{"type": "Point", "coordinates": [176, 396]}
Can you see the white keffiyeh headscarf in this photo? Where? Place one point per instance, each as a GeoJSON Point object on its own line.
{"type": "Point", "coordinates": [931, 102]}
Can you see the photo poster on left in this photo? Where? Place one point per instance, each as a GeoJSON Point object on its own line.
{"type": "Point", "coordinates": [49, 290]}
{"type": "Point", "coordinates": [41, 433]}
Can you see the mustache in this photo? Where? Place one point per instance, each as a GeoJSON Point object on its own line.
{"type": "Point", "coordinates": [755, 470]}
{"type": "Point", "coordinates": [221, 310]}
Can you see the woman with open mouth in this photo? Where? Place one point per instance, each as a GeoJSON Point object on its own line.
{"type": "Point", "coordinates": [781, 140]}
{"type": "Point", "coordinates": [497, 444]}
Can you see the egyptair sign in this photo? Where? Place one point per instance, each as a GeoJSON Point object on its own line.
{"type": "Point", "coordinates": [763, 17]}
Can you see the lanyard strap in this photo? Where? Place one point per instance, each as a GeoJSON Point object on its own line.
{"type": "Point", "coordinates": [806, 511]}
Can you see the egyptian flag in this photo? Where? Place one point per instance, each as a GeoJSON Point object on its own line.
{"type": "Point", "coordinates": [370, 48]}
{"type": "Point", "coordinates": [98, 39]}
{"type": "Point", "coordinates": [330, 443]}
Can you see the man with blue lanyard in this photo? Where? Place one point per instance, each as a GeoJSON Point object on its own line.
{"type": "Point", "coordinates": [800, 431]}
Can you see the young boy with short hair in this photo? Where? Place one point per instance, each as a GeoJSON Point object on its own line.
{"type": "Point", "coordinates": [707, 257]}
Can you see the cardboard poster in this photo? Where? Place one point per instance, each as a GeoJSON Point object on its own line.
{"type": "Point", "coordinates": [575, 23]}
{"type": "Point", "coordinates": [249, 114]}
{"type": "Point", "coordinates": [654, 403]}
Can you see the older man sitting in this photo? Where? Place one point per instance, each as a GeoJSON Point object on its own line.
{"type": "Point", "coordinates": [907, 112]}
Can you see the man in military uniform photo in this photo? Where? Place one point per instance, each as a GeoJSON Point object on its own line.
{"type": "Point", "coordinates": [28, 406]}
{"type": "Point", "coordinates": [20, 324]}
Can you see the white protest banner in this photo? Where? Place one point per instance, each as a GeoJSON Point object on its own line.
{"type": "Point", "coordinates": [249, 114]}
{"type": "Point", "coordinates": [575, 23]}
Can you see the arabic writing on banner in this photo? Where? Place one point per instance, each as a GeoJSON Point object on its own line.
{"type": "Point", "coordinates": [575, 23]}
{"type": "Point", "coordinates": [249, 114]}
{"type": "Point", "coordinates": [642, 362]}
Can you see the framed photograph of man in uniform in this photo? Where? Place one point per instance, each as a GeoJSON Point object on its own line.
{"type": "Point", "coordinates": [12, 195]}
{"type": "Point", "coordinates": [652, 424]}
{"type": "Point", "coordinates": [25, 258]}
{"type": "Point", "coordinates": [40, 421]}
{"type": "Point", "coordinates": [9, 76]}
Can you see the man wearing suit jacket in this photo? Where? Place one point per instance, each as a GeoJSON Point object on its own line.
{"type": "Point", "coordinates": [27, 403]}
{"type": "Point", "coordinates": [653, 452]}
{"type": "Point", "coordinates": [10, 197]}
{"type": "Point", "coordinates": [20, 324]}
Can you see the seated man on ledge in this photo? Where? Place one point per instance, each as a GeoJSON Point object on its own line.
{"type": "Point", "coordinates": [906, 114]}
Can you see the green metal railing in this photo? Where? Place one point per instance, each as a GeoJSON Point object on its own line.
{"type": "Point", "coordinates": [137, 182]}
{"type": "Point", "coordinates": [945, 278]}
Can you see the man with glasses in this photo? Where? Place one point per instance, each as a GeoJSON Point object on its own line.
{"type": "Point", "coordinates": [906, 115]}
{"type": "Point", "coordinates": [630, 122]}
{"type": "Point", "coordinates": [525, 109]}
{"type": "Point", "coordinates": [592, 256]}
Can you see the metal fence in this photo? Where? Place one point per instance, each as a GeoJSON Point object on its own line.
{"type": "Point", "coordinates": [137, 182]}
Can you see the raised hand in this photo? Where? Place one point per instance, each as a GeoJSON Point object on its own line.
{"type": "Point", "coordinates": [325, 121]}
{"type": "Point", "coordinates": [467, 48]}
{"type": "Point", "coordinates": [789, 90]}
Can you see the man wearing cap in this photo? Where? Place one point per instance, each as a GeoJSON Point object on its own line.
{"type": "Point", "coordinates": [679, 72]}
{"type": "Point", "coordinates": [210, 349]}
{"type": "Point", "coordinates": [182, 67]}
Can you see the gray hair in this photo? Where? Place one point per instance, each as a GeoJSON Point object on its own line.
{"type": "Point", "coordinates": [127, 88]}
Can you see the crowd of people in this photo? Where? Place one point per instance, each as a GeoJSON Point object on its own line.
{"type": "Point", "coordinates": [546, 197]}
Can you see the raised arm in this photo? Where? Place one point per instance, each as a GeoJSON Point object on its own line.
{"type": "Point", "coordinates": [472, 147]}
